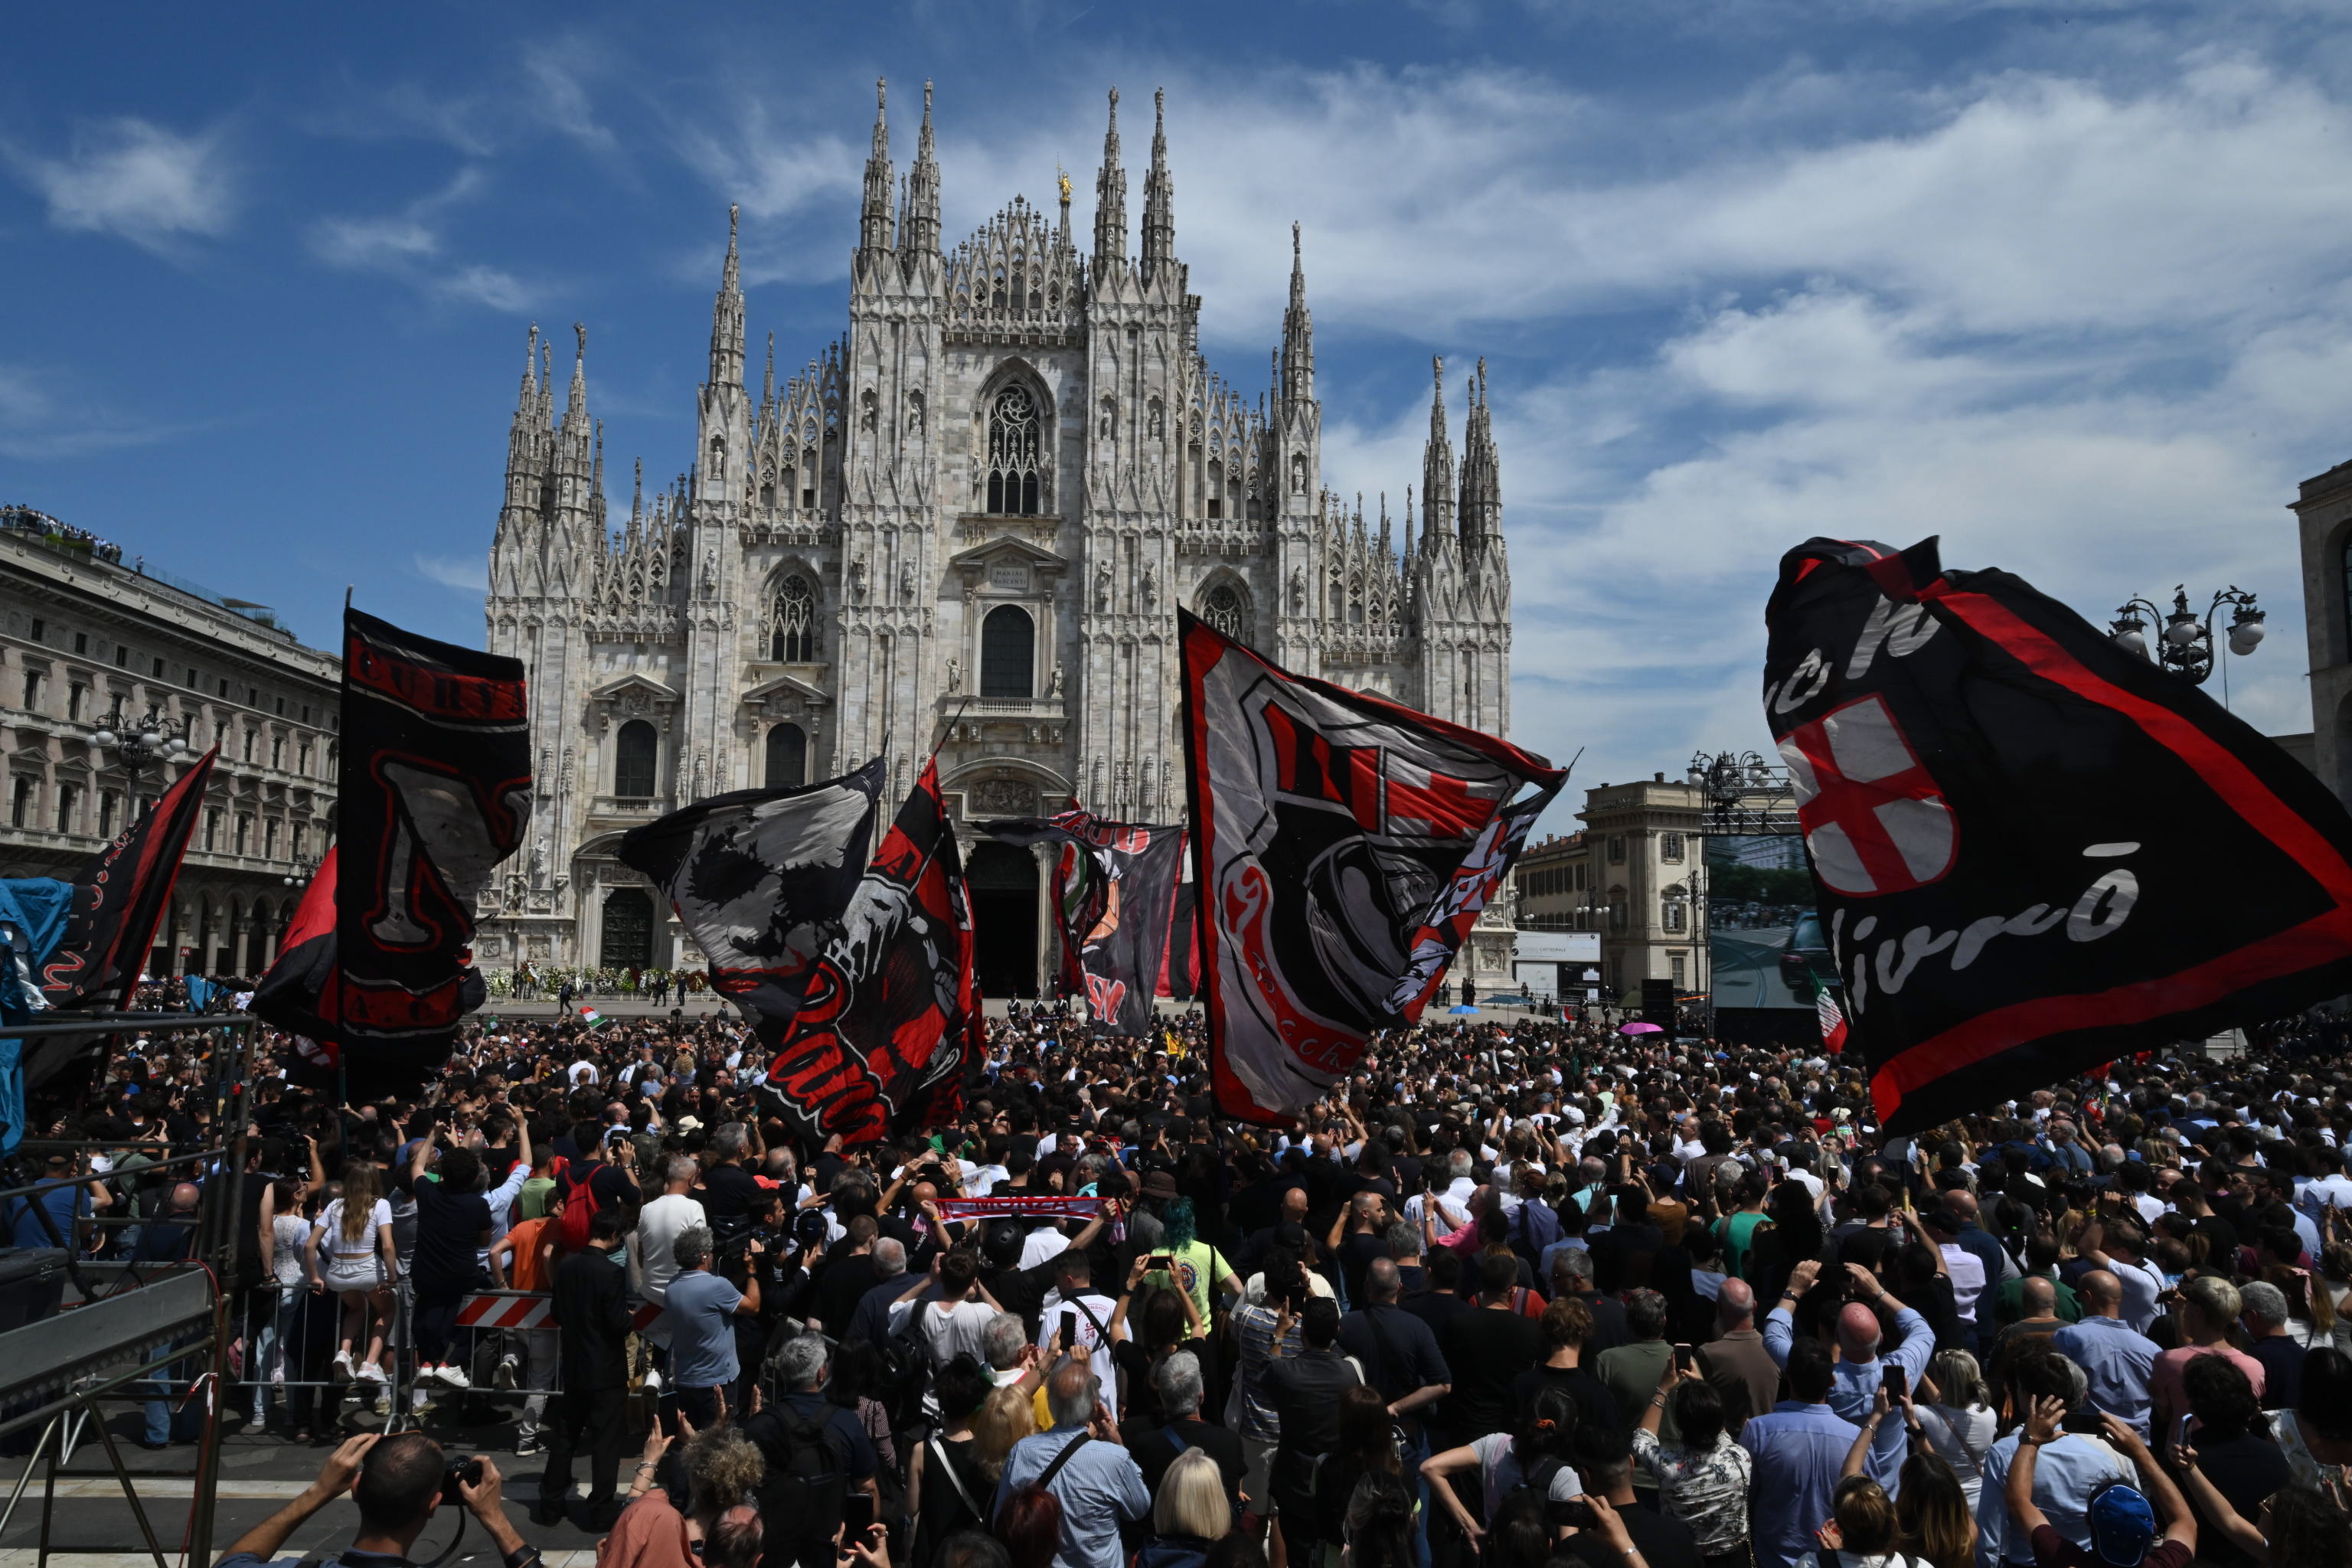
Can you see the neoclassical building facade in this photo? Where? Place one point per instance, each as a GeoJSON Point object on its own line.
{"type": "Point", "coordinates": [968, 521]}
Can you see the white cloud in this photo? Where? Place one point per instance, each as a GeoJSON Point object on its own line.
{"type": "Point", "coordinates": [44, 418]}
{"type": "Point", "coordinates": [465, 574]}
{"type": "Point", "coordinates": [558, 95]}
{"type": "Point", "coordinates": [371, 242]}
{"type": "Point", "coordinates": [136, 180]}
{"type": "Point", "coordinates": [409, 246]}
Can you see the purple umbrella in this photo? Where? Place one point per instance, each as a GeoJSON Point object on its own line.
{"type": "Point", "coordinates": [1640, 1029]}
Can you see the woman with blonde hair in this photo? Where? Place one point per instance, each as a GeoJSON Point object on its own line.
{"type": "Point", "coordinates": [1005, 1418]}
{"type": "Point", "coordinates": [1189, 1516]}
{"type": "Point", "coordinates": [1956, 1416]}
{"type": "Point", "coordinates": [362, 1266]}
{"type": "Point", "coordinates": [1863, 1532]}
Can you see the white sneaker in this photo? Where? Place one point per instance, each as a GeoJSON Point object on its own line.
{"type": "Point", "coordinates": [371, 1372]}
{"type": "Point", "coordinates": [653, 1381]}
{"type": "Point", "coordinates": [509, 1374]}
{"type": "Point", "coordinates": [455, 1376]}
{"type": "Point", "coordinates": [341, 1371]}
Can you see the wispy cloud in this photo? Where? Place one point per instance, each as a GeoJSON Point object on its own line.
{"type": "Point", "coordinates": [139, 181]}
{"type": "Point", "coordinates": [556, 77]}
{"type": "Point", "coordinates": [465, 573]}
{"type": "Point", "coordinates": [410, 245]}
{"type": "Point", "coordinates": [45, 417]}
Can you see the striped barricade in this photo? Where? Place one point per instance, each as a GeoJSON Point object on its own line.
{"type": "Point", "coordinates": [528, 1310]}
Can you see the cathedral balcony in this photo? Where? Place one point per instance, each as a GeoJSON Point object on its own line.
{"type": "Point", "coordinates": [1017, 709]}
{"type": "Point", "coordinates": [994, 524]}
{"type": "Point", "coordinates": [634, 806]}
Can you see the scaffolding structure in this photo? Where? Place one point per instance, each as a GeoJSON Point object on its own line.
{"type": "Point", "coordinates": [132, 1333]}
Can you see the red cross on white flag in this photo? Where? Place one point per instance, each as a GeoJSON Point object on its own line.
{"type": "Point", "coordinates": [1874, 817]}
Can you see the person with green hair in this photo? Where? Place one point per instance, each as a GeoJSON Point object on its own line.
{"type": "Point", "coordinates": [1197, 1263]}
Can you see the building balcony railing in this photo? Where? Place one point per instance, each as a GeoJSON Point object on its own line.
{"type": "Point", "coordinates": [630, 806]}
{"type": "Point", "coordinates": [1028, 709]}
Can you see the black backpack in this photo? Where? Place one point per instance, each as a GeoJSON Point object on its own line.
{"type": "Point", "coordinates": [807, 1470]}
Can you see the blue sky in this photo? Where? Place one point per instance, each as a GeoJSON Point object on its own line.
{"type": "Point", "coordinates": [2067, 285]}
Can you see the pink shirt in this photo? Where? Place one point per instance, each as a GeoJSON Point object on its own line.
{"type": "Point", "coordinates": [2170, 1397]}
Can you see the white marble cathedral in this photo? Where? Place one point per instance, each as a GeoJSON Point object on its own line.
{"type": "Point", "coordinates": [972, 516]}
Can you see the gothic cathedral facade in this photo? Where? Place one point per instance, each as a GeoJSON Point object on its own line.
{"type": "Point", "coordinates": [969, 521]}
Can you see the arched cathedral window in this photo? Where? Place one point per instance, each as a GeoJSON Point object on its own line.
{"type": "Point", "coordinates": [1008, 653]}
{"type": "Point", "coordinates": [1013, 449]}
{"type": "Point", "coordinates": [768, 488]}
{"type": "Point", "coordinates": [1356, 604]}
{"type": "Point", "coordinates": [794, 617]}
{"type": "Point", "coordinates": [1222, 611]}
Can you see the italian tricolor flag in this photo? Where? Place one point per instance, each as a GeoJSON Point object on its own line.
{"type": "Point", "coordinates": [593, 1018]}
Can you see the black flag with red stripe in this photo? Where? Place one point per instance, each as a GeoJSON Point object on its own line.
{"type": "Point", "coordinates": [436, 791]}
{"type": "Point", "coordinates": [298, 993]}
{"type": "Point", "coordinates": [2036, 851]}
{"type": "Point", "coordinates": [1345, 845]}
{"type": "Point", "coordinates": [1114, 892]}
{"type": "Point", "coordinates": [121, 898]}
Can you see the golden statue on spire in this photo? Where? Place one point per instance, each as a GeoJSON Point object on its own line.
{"type": "Point", "coordinates": [1062, 178]}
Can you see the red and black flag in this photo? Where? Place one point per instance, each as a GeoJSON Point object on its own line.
{"type": "Point", "coordinates": [889, 1008]}
{"type": "Point", "coordinates": [1114, 894]}
{"type": "Point", "coordinates": [1341, 841]}
{"type": "Point", "coordinates": [2018, 829]}
{"type": "Point", "coordinates": [298, 993]}
{"type": "Point", "coordinates": [762, 879]}
{"type": "Point", "coordinates": [121, 898]}
{"type": "Point", "coordinates": [436, 791]}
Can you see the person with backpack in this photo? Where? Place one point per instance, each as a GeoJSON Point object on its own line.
{"type": "Point", "coordinates": [1535, 1458]}
{"type": "Point", "coordinates": [946, 1488]}
{"type": "Point", "coordinates": [1305, 1390]}
{"type": "Point", "coordinates": [815, 1451]}
{"type": "Point", "coordinates": [1083, 1464]}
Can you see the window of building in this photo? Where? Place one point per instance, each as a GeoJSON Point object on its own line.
{"type": "Point", "coordinates": [244, 833]}
{"type": "Point", "coordinates": [1677, 913]}
{"type": "Point", "coordinates": [634, 749]}
{"type": "Point", "coordinates": [121, 656]}
{"type": "Point", "coordinates": [68, 796]}
{"type": "Point", "coordinates": [278, 750]}
{"type": "Point", "coordinates": [787, 757]}
{"type": "Point", "coordinates": [269, 839]}
{"type": "Point", "coordinates": [212, 829]}
{"type": "Point", "coordinates": [1616, 848]}
{"type": "Point", "coordinates": [1015, 444]}
{"type": "Point", "coordinates": [281, 708]}
{"type": "Point", "coordinates": [794, 615]}
{"type": "Point", "coordinates": [223, 688]}
{"type": "Point", "coordinates": [301, 838]}
{"type": "Point", "coordinates": [32, 692]}
{"type": "Point", "coordinates": [76, 702]}
{"type": "Point", "coordinates": [628, 935]}
{"type": "Point", "coordinates": [302, 759]}
{"type": "Point", "coordinates": [157, 670]}
{"type": "Point", "coordinates": [1676, 962]}
{"type": "Point", "coordinates": [109, 803]}
{"type": "Point", "coordinates": [1616, 908]}
{"type": "Point", "coordinates": [20, 802]}
{"type": "Point", "coordinates": [40, 629]}
{"type": "Point", "coordinates": [1670, 846]}
{"type": "Point", "coordinates": [1222, 610]}
{"type": "Point", "coordinates": [1008, 652]}
{"type": "Point", "coordinates": [81, 642]}
{"type": "Point", "coordinates": [251, 738]}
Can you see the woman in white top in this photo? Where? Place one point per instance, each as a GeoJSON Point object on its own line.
{"type": "Point", "coordinates": [355, 1233]}
{"type": "Point", "coordinates": [281, 1259]}
{"type": "Point", "coordinates": [1956, 1416]}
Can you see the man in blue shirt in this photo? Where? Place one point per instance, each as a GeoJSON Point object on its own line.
{"type": "Point", "coordinates": [2115, 1359]}
{"type": "Point", "coordinates": [1860, 1370]}
{"type": "Point", "coordinates": [65, 1203]}
{"type": "Point", "coordinates": [2067, 1474]}
{"type": "Point", "coordinates": [1084, 1464]}
{"type": "Point", "coordinates": [1798, 1448]}
{"type": "Point", "coordinates": [699, 1312]}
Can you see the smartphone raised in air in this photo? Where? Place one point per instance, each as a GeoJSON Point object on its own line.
{"type": "Point", "coordinates": [856, 1513]}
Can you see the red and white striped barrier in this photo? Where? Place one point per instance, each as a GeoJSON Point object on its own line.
{"type": "Point", "coordinates": [521, 1309]}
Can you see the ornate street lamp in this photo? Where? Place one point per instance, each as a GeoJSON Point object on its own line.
{"type": "Point", "coordinates": [305, 866]}
{"type": "Point", "coordinates": [2185, 646]}
{"type": "Point", "coordinates": [155, 738]}
{"type": "Point", "coordinates": [1741, 793]}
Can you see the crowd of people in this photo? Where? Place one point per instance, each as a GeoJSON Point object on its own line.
{"type": "Point", "coordinates": [1534, 1295]}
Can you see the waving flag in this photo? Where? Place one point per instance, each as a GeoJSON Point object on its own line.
{"type": "Point", "coordinates": [121, 897]}
{"type": "Point", "coordinates": [762, 879]}
{"type": "Point", "coordinates": [2012, 824]}
{"type": "Point", "coordinates": [299, 993]}
{"type": "Point", "coordinates": [1832, 1019]}
{"type": "Point", "coordinates": [1344, 846]}
{"type": "Point", "coordinates": [436, 791]}
{"type": "Point", "coordinates": [1114, 892]}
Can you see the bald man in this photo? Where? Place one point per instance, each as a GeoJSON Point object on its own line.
{"type": "Point", "coordinates": [2038, 1306]}
{"type": "Point", "coordinates": [1735, 1359]}
{"type": "Point", "coordinates": [2117, 1361]}
{"type": "Point", "coordinates": [1855, 1334]}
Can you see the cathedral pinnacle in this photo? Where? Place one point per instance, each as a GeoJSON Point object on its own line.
{"type": "Point", "coordinates": [523, 404]}
{"type": "Point", "coordinates": [1158, 195]}
{"type": "Point", "coordinates": [920, 232]}
{"type": "Point", "coordinates": [873, 215]}
{"type": "Point", "coordinates": [1436, 464]}
{"type": "Point", "coordinates": [578, 408]}
{"type": "Point", "coordinates": [1110, 198]}
{"type": "Point", "coordinates": [727, 315]}
{"type": "Point", "coordinates": [768, 378]}
{"type": "Point", "coordinates": [1482, 489]}
{"type": "Point", "coordinates": [1298, 331]}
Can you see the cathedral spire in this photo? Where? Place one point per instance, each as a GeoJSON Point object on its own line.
{"type": "Point", "coordinates": [768, 380]}
{"type": "Point", "coordinates": [1436, 464]}
{"type": "Point", "coordinates": [921, 232]}
{"type": "Point", "coordinates": [1297, 332]}
{"type": "Point", "coordinates": [1482, 484]}
{"type": "Point", "coordinates": [1110, 199]}
{"type": "Point", "coordinates": [529, 401]}
{"type": "Point", "coordinates": [874, 217]}
{"type": "Point", "coordinates": [637, 495]}
{"type": "Point", "coordinates": [1158, 195]}
{"type": "Point", "coordinates": [547, 381]}
{"type": "Point", "coordinates": [727, 314]}
{"type": "Point", "coordinates": [576, 415]}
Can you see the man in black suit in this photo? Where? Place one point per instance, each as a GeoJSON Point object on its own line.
{"type": "Point", "coordinates": [1177, 1381]}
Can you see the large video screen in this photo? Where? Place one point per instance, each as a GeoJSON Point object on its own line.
{"type": "Point", "coordinates": [1765, 947]}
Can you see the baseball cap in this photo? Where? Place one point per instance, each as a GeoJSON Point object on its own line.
{"type": "Point", "coordinates": [2123, 1525]}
